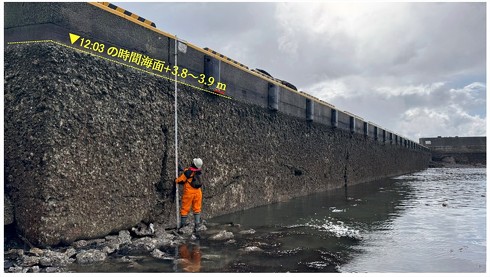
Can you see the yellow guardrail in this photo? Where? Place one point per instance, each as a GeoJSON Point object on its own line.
{"type": "Point", "coordinates": [128, 13]}
{"type": "Point", "coordinates": [225, 57]}
{"type": "Point", "coordinates": [120, 12]}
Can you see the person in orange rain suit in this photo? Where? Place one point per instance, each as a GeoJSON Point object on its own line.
{"type": "Point", "coordinates": [191, 261]}
{"type": "Point", "coordinates": [192, 195]}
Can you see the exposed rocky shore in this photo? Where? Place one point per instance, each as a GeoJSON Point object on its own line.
{"type": "Point", "coordinates": [126, 246]}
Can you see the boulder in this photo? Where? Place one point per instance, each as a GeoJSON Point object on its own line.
{"type": "Point", "coordinates": [223, 235]}
{"type": "Point", "coordinates": [156, 253]}
{"type": "Point", "coordinates": [91, 256]}
{"type": "Point", "coordinates": [80, 243]}
{"type": "Point", "coordinates": [52, 258]}
{"type": "Point", "coordinates": [28, 261]}
{"type": "Point", "coordinates": [143, 230]}
{"type": "Point", "coordinates": [145, 243]}
{"type": "Point", "coordinates": [36, 251]}
{"type": "Point", "coordinates": [252, 249]}
{"type": "Point", "coordinates": [34, 269]}
{"type": "Point", "coordinates": [17, 269]}
{"type": "Point", "coordinates": [247, 232]}
{"type": "Point", "coordinates": [124, 237]}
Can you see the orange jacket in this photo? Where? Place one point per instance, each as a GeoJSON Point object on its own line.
{"type": "Point", "coordinates": [186, 178]}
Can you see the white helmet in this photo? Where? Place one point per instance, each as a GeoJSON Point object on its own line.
{"type": "Point", "coordinates": [197, 162]}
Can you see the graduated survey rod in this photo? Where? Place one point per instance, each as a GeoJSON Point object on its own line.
{"type": "Point", "coordinates": [176, 143]}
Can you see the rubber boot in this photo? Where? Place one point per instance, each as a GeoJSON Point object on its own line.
{"type": "Point", "coordinates": [197, 224]}
{"type": "Point", "coordinates": [183, 220]}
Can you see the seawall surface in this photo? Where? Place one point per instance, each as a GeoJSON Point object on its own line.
{"type": "Point", "coordinates": [89, 147]}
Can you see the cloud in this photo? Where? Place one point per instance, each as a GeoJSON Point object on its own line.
{"type": "Point", "coordinates": [432, 122]}
{"type": "Point", "coordinates": [423, 90]}
{"type": "Point", "coordinates": [405, 63]}
{"type": "Point", "coordinates": [471, 98]}
{"type": "Point", "coordinates": [409, 42]}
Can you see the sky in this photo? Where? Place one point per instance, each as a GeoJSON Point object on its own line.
{"type": "Point", "coordinates": [417, 69]}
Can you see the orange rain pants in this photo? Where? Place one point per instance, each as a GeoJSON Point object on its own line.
{"type": "Point", "coordinates": [190, 197]}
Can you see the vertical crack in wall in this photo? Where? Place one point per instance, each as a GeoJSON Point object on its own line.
{"type": "Point", "coordinates": [345, 168]}
{"type": "Point", "coordinates": [164, 192]}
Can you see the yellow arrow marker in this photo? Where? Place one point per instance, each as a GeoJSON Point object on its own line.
{"type": "Point", "coordinates": [73, 38]}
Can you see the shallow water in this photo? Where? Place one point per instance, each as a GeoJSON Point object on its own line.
{"type": "Point", "coordinates": [441, 227]}
{"type": "Point", "coordinates": [430, 221]}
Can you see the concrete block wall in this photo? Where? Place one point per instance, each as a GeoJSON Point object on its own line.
{"type": "Point", "coordinates": [242, 84]}
{"type": "Point", "coordinates": [77, 124]}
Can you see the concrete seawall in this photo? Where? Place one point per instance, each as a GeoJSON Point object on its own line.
{"type": "Point", "coordinates": [89, 142]}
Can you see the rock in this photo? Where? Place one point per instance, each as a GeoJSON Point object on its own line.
{"type": "Point", "coordinates": [54, 259]}
{"type": "Point", "coordinates": [112, 243]}
{"type": "Point", "coordinates": [145, 244]}
{"type": "Point", "coordinates": [34, 269]}
{"type": "Point", "coordinates": [91, 256]}
{"type": "Point", "coordinates": [247, 232]}
{"type": "Point", "coordinates": [36, 251]}
{"type": "Point", "coordinates": [110, 247]}
{"type": "Point", "coordinates": [53, 269]}
{"type": "Point", "coordinates": [143, 230]}
{"type": "Point", "coordinates": [111, 238]}
{"type": "Point", "coordinates": [156, 253]}
{"type": "Point", "coordinates": [252, 249]}
{"type": "Point", "coordinates": [28, 261]}
{"type": "Point", "coordinates": [164, 236]}
{"type": "Point", "coordinates": [163, 241]}
{"type": "Point", "coordinates": [231, 224]}
{"type": "Point", "coordinates": [108, 250]}
{"type": "Point", "coordinates": [202, 228]}
{"type": "Point", "coordinates": [70, 252]}
{"type": "Point", "coordinates": [124, 237]}
{"type": "Point", "coordinates": [17, 269]}
{"type": "Point", "coordinates": [187, 230]}
{"type": "Point", "coordinates": [223, 235]}
{"type": "Point", "coordinates": [14, 254]}
{"type": "Point", "coordinates": [159, 230]}
{"type": "Point", "coordinates": [230, 241]}
{"type": "Point", "coordinates": [80, 243]}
